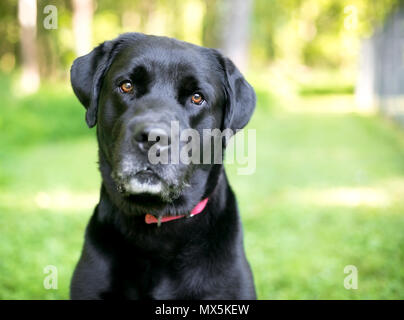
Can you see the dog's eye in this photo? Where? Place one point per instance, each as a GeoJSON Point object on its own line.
{"type": "Point", "coordinates": [197, 98]}
{"type": "Point", "coordinates": [126, 86]}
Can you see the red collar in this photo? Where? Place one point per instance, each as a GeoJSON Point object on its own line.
{"type": "Point", "coordinates": [197, 209]}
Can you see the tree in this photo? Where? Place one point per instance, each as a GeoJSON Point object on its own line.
{"type": "Point", "coordinates": [27, 11]}
{"type": "Point", "coordinates": [234, 17]}
{"type": "Point", "coordinates": [82, 19]}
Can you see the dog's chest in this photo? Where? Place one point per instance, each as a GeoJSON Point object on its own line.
{"type": "Point", "coordinates": [183, 277]}
{"type": "Point", "coordinates": [166, 282]}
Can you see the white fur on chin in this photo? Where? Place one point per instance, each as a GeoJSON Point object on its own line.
{"type": "Point", "coordinates": [134, 186]}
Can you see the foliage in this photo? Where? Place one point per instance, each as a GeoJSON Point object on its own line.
{"type": "Point", "coordinates": [316, 33]}
{"type": "Point", "coordinates": [311, 32]}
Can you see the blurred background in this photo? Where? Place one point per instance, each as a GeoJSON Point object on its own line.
{"type": "Point", "coordinates": [328, 190]}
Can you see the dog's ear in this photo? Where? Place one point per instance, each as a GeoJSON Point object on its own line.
{"type": "Point", "coordinates": [86, 76]}
{"type": "Point", "coordinates": [240, 96]}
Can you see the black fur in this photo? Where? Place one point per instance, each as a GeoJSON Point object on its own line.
{"type": "Point", "coordinates": [190, 258]}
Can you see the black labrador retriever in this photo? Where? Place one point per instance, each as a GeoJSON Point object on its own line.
{"type": "Point", "coordinates": [140, 242]}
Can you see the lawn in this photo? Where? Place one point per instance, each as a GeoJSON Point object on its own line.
{"type": "Point", "coordinates": [328, 191]}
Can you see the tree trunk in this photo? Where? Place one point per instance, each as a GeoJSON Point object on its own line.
{"type": "Point", "coordinates": [82, 19]}
{"type": "Point", "coordinates": [235, 16]}
{"type": "Point", "coordinates": [27, 11]}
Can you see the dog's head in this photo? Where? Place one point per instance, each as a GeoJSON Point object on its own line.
{"type": "Point", "coordinates": [143, 92]}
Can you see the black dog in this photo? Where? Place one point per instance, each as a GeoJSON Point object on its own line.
{"type": "Point", "coordinates": [134, 86]}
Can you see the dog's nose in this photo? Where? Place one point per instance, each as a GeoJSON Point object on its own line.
{"type": "Point", "coordinates": [147, 136]}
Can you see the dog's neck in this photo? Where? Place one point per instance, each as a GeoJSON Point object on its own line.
{"type": "Point", "coordinates": [149, 218]}
{"type": "Point", "coordinates": [217, 214]}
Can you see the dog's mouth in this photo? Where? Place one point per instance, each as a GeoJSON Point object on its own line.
{"type": "Point", "coordinates": [153, 184]}
{"type": "Point", "coordinates": [145, 181]}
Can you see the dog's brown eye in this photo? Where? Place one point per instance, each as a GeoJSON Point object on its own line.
{"type": "Point", "coordinates": [197, 98]}
{"type": "Point", "coordinates": [126, 86]}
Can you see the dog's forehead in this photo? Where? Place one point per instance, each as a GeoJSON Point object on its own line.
{"type": "Point", "coordinates": [164, 53]}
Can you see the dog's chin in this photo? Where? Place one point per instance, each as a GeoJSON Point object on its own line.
{"type": "Point", "coordinates": [144, 182]}
{"type": "Point", "coordinates": [147, 189]}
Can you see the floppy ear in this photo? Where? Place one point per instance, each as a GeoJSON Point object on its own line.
{"type": "Point", "coordinates": [86, 75]}
{"type": "Point", "coordinates": [240, 97]}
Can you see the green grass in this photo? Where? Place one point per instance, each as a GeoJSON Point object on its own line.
{"type": "Point", "coordinates": [328, 191]}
